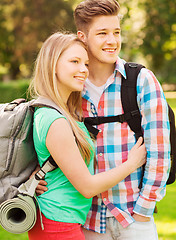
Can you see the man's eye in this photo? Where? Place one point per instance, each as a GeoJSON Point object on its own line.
{"type": "Point", "coordinates": [101, 33]}
{"type": "Point", "coordinates": [117, 32]}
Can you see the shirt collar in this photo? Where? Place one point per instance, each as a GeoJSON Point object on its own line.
{"type": "Point", "coordinates": [85, 94]}
{"type": "Point", "coordinates": [119, 67]}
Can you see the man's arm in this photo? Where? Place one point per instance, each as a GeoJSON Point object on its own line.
{"type": "Point", "coordinates": [41, 188]}
{"type": "Point", "coordinates": [155, 123]}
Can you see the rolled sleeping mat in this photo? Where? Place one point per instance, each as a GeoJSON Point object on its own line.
{"type": "Point", "coordinates": [18, 215]}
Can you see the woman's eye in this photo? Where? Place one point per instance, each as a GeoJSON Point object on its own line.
{"type": "Point", "coordinates": [74, 61]}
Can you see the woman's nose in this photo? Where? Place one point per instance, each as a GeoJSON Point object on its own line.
{"type": "Point", "coordinates": [83, 68]}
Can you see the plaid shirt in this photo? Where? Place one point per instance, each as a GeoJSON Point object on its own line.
{"type": "Point", "coordinates": [115, 140]}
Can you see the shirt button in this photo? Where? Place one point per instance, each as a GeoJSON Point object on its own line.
{"type": "Point", "coordinates": [101, 154]}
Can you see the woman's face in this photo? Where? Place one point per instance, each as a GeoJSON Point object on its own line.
{"type": "Point", "coordinates": [71, 70]}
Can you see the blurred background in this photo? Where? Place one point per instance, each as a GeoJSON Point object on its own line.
{"type": "Point", "coordinates": [148, 37]}
{"type": "Point", "coordinates": [148, 33]}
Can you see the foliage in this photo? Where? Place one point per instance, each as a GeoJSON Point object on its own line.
{"type": "Point", "coordinates": [148, 33]}
{"type": "Point", "coordinates": [159, 41]}
{"type": "Point", "coordinates": [12, 90]}
{"type": "Point", "coordinates": [24, 25]}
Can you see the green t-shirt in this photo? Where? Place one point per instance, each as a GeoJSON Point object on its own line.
{"type": "Point", "coordinates": [62, 202]}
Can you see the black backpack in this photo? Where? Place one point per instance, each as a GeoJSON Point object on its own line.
{"type": "Point", "coordinates": [132, 114]}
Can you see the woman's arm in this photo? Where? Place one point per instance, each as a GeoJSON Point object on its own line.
{"type": "Point", "coordinates": [61, 144]}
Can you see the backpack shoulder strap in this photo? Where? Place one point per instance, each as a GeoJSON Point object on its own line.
{"type": "Point", "coordinates": [46, 102]}
{"type": "Point", "coordinates": [129, 98]}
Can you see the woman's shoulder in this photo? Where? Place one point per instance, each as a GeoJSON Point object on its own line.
{"type": "Point", "coordinates": [44, 117]}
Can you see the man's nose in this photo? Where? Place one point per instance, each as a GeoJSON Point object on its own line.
{"type": "Point", "coordinates": [111, 38]}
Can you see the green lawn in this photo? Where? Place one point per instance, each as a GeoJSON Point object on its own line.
{"type": "Point", "coordinates": [4, 235]}
{"type": "Point", "coordinates": [172, 103]}
{"type": "Point", "coordinates": [165, 218]}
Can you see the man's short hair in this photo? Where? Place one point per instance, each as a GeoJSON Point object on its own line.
{"type": "Point", "coordinates": [88, 9]}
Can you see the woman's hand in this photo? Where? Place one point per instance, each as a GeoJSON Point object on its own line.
{"type": "Point", "coordinates": [137, 155]}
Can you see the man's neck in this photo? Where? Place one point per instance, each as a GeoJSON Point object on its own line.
{"type": "Point", "coordinates": [99, 73]}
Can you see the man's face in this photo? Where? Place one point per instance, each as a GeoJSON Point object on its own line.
{"type": "Point", "coordinates": [103, 39]}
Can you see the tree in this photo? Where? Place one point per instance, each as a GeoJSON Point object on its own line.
{"type": "Point", "coordinates": [24, 25]}
{"type": "Point", "coordinates": [149, 35]}
{"type": "Point", "coordinates": [159, 41]}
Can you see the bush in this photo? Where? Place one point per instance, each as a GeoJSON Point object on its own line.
{"type": "Point", "coordinates": [12, 90]}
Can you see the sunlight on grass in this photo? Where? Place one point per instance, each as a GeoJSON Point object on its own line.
{"type": "Point", "coordinates": [172, 103]}
{"type": "Point", "coordinates": [166, 230]}
{"type": "Point", "coordinates": [4, 235]}
{"type": "Point", "coordinates": [165, 219]}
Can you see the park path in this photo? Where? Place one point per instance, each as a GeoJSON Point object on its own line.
{"type": "Point", "coordinates": [170, 94]}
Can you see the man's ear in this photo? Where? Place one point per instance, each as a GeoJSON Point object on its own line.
{"type": "Point", "coordinates": [82, 36]}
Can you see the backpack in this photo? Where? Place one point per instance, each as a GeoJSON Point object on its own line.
{"type": "Point", "coordinates": [18, 158]}
{"type": "Point", "coordinates": [132, 114]}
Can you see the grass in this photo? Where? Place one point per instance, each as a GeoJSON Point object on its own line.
{"type": "Point", "coordinates": [12, 90]}
{"type": "Point", "coordinates": [165, 219]}
{"type": "Point", "coordinates": [172, 103]}
{"type": "Point", "coordinates": [4, 235]}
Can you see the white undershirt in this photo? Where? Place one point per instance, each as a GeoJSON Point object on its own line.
{"type": "Point", "coordinates": [95, 95]}
{"type": "Point", "coordinates": [96, 92]}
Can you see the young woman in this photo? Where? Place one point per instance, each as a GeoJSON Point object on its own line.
{"type": "Point", "coordinates": [60, 73]}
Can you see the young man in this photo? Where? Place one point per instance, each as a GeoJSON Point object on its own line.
{"type": "Point", "coordinates": [125, 211]}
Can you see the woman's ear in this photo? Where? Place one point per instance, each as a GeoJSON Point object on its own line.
{"type": "Point", "coordinates": [82, 36]}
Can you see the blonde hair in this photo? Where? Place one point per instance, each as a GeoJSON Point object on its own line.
{"type": "Point", "coordinates": [88, 9]}
{"type": "Point", "coordinates": [44, 83]}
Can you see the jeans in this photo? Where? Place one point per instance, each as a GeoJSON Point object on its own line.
{"type": "Point", "coordinates": [135, 231]}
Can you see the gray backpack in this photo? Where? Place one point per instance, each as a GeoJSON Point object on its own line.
{"type": "Point", "coordinates": [18, 158]}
